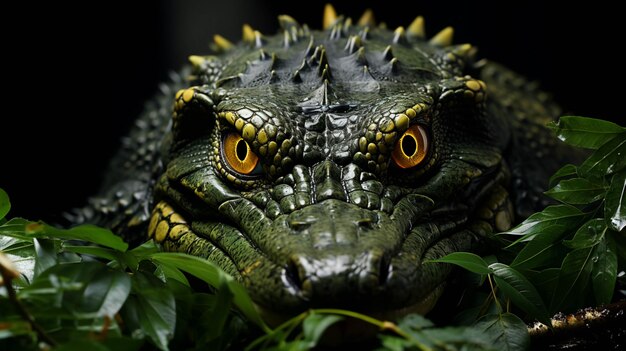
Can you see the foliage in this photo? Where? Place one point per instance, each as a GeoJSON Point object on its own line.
{"type": "Point", "coordinates": [83, 288]}
{"type": "Point", "coordinates": [566, 256]}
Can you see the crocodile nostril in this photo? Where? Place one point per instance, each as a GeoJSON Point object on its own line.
{"type": "Point", "coordinates": [383, 271]}
{"type": "Point", "coordinates": [368, 222]}
{"type": "Point", "coordinates": [315, 279]}
{"type": "Point", "coordinates": [293, 274]}
{"type": "Point", "coordinates": [298, 273]}
{"type": "Point", "coordinates": [299, 226]}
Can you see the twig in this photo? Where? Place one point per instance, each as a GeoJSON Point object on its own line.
{"type": "Point", "coordinates": [8, 273]}
{"type": "Point", "coordinates": [493, 292]}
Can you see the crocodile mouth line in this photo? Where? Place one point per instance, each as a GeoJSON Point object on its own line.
{"type": "Point", "coordinates": [423, 306]}
{"type": "Point", "coordinates": [209, 240]}
{"type": "Point", "coordinates": [169, 227]}
{"type": "Point", "coordinates": [181, 224]}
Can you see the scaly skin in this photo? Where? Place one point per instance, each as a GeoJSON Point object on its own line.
{"type": "Point", "coordinates": [329, 219]}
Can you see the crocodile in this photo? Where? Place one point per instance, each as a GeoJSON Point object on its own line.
{"type": "Point", "coordinates": [321, 168]}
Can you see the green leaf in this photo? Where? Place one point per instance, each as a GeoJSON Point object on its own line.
{"type": "Point", "coordinates": [81, 345]}
{"type": "Point", "coordinates": [588, 235]}
{"type": "Point", "coordinates": [604, 273]}
{"type": "Point", "coordinates": [145, 250]}
{"type": "Point", "coordinates": [475, 304]}
{"type": "Point", "coordinates": [469, 261]}
{"type": "Point", "coordinates": [414, 325]}
{"type": "Point", "coordinates": [12, 328]}
{"type": "Point", "coordinates": [46, 255]}
{"type": "Point", "coordinates": [554, 219]}
{"type": "Point", "coordinates": [213, 275]}
{"type": "Point", "coordinates": [545, 281]}
{"type": "Point", "coordinates": [615, 205]}
{"type": "Point", "coordinates": [565, 171]}
{"type": "Point", "coordinates": [122, 344]}
{"type": "Point", "coordinates": [506, 330]}
{"type": "Point", "coordinates": [83, 290]}
{"type": "Point", "coordinates": [22, 255]}
{"type": "Point", "coordinates": [573, 278]}
{"type": "Point", "coordinates": [84, 232]}
{"type": "Point", "coordinates": [7, 242]}
{"type": "Point", "coordinates": [220, 312]}
{"type": "Point", "coordinates": [314, 326]}
{"type": "Point", "coordinates": [608, 159]}
{"type": "Point", "coordinates": [577, 191]}
{"type": "Point", "coordinates": [5, 204]}
{"type": "Point", "coordinates": [585, 132]}
{"type": "Point", "coordinates": [455, 338]}
{"type": "Point", "coordinates": [541, 251]}
{"type": "Point", "coordinates": [415, 322]}
{"type": "Point", "coordinates": [15, 228]}
{"type": "Point", "coordinates": [106, 293]}
{"type": "Point", "coordinates": [96, 251]}
{"type": "Point", "coordinates": [392, 343]}
{"type": "Point", "coordinates": [521, 291]}
{"type": "Point", "coordinates": [295, 345]}
{"type": "Point", "coordinates": [139, 254]}
{"type": "Point", "coordinates": [174, 273]}
{"type": "Point", "coordinates": [150, 310]}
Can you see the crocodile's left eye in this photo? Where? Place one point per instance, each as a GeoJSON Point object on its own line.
{"type": "Point", "coordinates": [239, 157]}
{"type": "Point", "coordinates": [412, 148]}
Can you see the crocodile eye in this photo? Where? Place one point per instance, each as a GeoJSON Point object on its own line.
{"type": "Point", "coordinates": [239, 156]}
{"type": "Point", "coordinates": [411, 148]}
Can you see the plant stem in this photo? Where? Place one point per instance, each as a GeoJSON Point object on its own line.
{"type": "Point", "coordinates": [385, 325]}
{"type": "Point", "coordinates": [493, 292]}
{"type": "Point", "coordinates": [8, 283]}
{"type": "Point", "coordinates": [290, 324]}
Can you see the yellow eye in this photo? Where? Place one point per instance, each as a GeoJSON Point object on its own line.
{"type": "Point", "coordinates": [411, 149]}
{"type": "Point", "coordinates": [239, 156]}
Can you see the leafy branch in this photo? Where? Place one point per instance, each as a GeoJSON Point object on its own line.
{"type": "Point", "coordinates": [567, 256]}
{"type": "Point", "coordinates": [101, 295]}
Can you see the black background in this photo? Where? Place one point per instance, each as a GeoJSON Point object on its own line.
{"type": "Point", "coordinates": [77, 75]}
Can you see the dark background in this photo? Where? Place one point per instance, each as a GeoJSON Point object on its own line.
{"type": "Point", "coordinates": [77, 75]}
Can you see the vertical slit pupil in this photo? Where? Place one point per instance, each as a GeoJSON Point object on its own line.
{"type": "Point", "coordinates": [409, 145]}
{"type": "Point", "coordinates": [242, 150]}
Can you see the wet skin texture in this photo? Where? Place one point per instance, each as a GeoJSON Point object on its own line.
{"type": "Point", "coordinates": [327, 216]}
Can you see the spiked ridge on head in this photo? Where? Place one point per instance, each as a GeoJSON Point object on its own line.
{"type": "Point", "coordinates": [367, 18]}
{"type": "Point", "coordinates": [330, 16]}
{"type": "Point", "coordinates": [287, 22]}
{"type": "Point", "coordinates": [222, 44]}
{"type": "Point", "coordinates": [247, 33]}
{"type": "Point", "coordinates": [443, 38]}
{"type": "Point", "coordinates": [354, 43]}
{"type": "Point", "coordinates": [398, 36]}
{"type": "Point", "coordinates": [340, 54]}
{"type": "Point", "coordinates": [416, 28]}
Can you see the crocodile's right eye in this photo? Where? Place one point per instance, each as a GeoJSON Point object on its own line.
{"type": "Point", "coordinates": [239, 157]}
{"type": "Point", "coordinates": [412, 148]}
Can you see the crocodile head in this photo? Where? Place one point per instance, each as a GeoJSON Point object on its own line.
{"type": "Point", "coordinates": [322, 168]}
